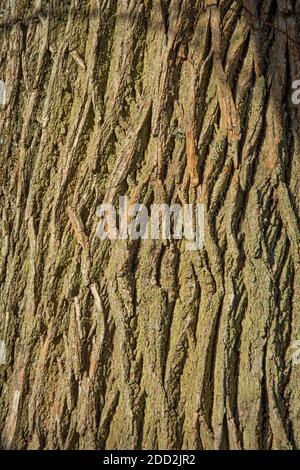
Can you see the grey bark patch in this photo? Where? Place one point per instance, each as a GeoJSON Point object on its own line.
{"type": "Point", "coordinates": [2, 93]}
{"type": "Point", "coordinates": [2, 353]}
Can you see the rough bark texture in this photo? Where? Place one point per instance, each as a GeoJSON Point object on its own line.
{"type": "Point", "coordinates": [134, 345]}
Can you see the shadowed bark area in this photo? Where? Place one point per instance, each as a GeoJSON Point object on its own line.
{"type": "Point", "coordinates": [144, 344]}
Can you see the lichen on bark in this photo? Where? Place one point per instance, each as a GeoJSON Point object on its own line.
{"type": "Point", "coordinates": [143, 344]}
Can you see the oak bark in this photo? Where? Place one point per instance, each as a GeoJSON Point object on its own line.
{"type": "Point", "coordinates": [144, 344]}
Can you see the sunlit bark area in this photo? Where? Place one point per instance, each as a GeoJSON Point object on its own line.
{"type": "Point", "coordinates": [142, 344]}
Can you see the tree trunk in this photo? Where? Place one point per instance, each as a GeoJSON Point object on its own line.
{"type": "Point", "coordinates": [144, 344]}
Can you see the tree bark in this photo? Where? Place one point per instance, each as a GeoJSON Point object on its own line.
{"type": "Point", "coordinates": [144, 344]}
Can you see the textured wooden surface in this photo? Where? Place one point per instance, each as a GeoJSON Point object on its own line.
{"type": "Point", "coordinates": [130, 345]}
